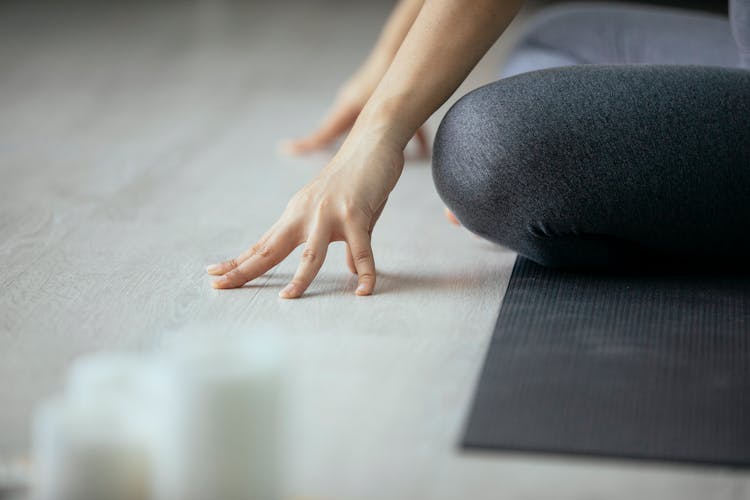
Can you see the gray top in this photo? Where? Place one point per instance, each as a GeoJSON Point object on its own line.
{"type": "Point", "coordinates": [739, 16]}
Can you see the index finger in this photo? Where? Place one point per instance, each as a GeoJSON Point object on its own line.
{"type": "Point", "coordinates": [266, 255]}
{"type": "Point", "coordinates": [224, 267]}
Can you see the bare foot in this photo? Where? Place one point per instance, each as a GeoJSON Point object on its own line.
{"type": "Point", "coordinates": [451, 218]}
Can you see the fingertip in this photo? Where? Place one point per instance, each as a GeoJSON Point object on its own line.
{"type": "Point", "coordinates": [213, 269]}
{"type": "Point", "coordinates": [289, 292]}
{"type": "Point", "coordinates": [223, 282]}
{"type": "Point", "coordinates": [363, 289]}
{"type": "Point", "coordinates": [302, 146]}
{"type": "Point", "coordinates": [289, 146]}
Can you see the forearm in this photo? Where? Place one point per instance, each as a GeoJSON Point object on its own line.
{"type": "Point", "coordinates": [393, 34]}
{"type": "Point", "coordinates": [445, 42]}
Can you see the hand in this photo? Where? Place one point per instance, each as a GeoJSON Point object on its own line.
{"type": "Point", "coordinates": [342, 203]}
{"type": "Point", "coordinates": [347, 106]}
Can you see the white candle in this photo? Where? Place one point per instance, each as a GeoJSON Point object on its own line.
{"type": "Point", "coordinates": [86, 453]}
{"type": "Point", "coordinates": [94, 441]}
{"type": "Point", "coordinates": [220, 437]}
{"type": "Point", "coordinates": [124, 376]}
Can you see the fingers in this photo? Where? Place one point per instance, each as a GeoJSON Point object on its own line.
{"type": "Point", "coordinates": [312, 259]}
{"type": "Point", "coordinates": [375, 217]}
{"type": "Point", "coordinates": [226, 266]}
{"type": "Point", "coordinates": [334, 125]}
{"type": "Point", "coordinates": [364, 262]}
{"type": "Point", "coordinates": [264, 255]}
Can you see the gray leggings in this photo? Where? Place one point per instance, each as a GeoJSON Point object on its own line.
{"type": "Point", "coordinates": [606, 162]}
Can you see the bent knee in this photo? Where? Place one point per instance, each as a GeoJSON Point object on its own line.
{"type": "Point", "coordinates": [480, 162]}
{"type": "Point", "coordinates": [502, 163]}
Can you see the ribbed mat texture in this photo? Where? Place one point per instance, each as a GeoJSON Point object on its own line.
{"type": "Point", "coordinates": [638, 366]}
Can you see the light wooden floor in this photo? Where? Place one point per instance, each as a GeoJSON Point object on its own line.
{"type": "Point", "coordinates": [137, 145]}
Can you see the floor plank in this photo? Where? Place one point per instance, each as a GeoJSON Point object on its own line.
{"type": "Point", "coordinates": [138, 144]}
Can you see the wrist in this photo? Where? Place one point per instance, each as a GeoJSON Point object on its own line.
{"type": "Point", "coordinates": [384, 120]}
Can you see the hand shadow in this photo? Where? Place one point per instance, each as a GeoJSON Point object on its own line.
{"type": "Point", "coordinates": [387, 282]}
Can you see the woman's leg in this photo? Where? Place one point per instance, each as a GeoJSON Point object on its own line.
{"type": "Point", "coordinates": [593, 33]}
{"type": "Point", "coordinates": [600, 166]}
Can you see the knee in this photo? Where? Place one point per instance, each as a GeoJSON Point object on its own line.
{"type": "Point", "coordinates": [478, 165]}
{"type": "Point", "coordinates": [488, 169]}
{"type": "Point", "coordinates": [502, 167]}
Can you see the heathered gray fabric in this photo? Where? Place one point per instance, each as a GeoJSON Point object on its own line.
{"type": "Point", "coordinates": [591, 166]}
{"type": "Point", "coordinates": [739, 14]}
{"type": "Point", "coordinates": [594, 166]}
{"type": "Point", "coordinates": [622, 34]}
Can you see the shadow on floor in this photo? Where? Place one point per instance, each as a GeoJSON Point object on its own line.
{"type": "Point", "coordinates": [387, 282]}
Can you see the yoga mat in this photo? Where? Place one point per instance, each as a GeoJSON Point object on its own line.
{"type": "Point", "coordinates": [635, 366]}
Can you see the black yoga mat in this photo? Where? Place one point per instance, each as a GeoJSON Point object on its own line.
{"type": "Point", "coordinates": [636, 366]}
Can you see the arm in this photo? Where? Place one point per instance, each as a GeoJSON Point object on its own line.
{"type": "Point", "coordinates": [345, 200]}
{"type": "Point", "coordinates": [357, 90]}
{"type": "Point", "coordinates": [446, 41]}
{"type": "Point", "coordinates": [393, 34]}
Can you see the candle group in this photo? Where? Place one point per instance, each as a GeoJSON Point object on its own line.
{"type": "Point", "coordinates": [194, 421]}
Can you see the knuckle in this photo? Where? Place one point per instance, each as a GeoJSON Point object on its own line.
{"type": "Point", "coordinates": [366, 277]}
{"type": "Point", "coordinates": [324, 204]}
{"type": "Point", "coordinates": [304, 197]}
{"type": "Point", "coordinates": [231, 263]}
{"type": "Point", "coordinates": [233, 275]}
{"type": "Point", "coordinates": [309, 255]}
{"type": "Point", "coordinates": [322, 209]}
{"type": "Point", "coordinates": [351, 213]}
{"type": "Point", "coordinates": [364, 255]}
{"type": "Point", "coordinates": [262, 250]}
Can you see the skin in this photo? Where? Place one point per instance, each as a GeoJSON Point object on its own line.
{"type": "Point", "coordinates": [356, 91]}
{"type": "Point", "coordinates": [343, 202]}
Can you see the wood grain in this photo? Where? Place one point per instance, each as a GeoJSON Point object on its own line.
{"type": "Point", "coordinates": [138, 144]}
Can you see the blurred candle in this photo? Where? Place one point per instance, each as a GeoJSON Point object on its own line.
{"type": "Point", "coordinates": [83, 452]}
{"type": "Point", "coordinates": [130, 379]}
{"type": "Point", "coordinates": [219, 436]}
{"type": "Point", "coordinates": [94, 441]}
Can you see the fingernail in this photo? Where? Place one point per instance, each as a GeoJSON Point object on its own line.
{"type": "Point", "coordinates": [361, 288]}
{"type": "Point", "coordinates": [288, 290]}
{"type": "Point", "coordinates": [213, 268]}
